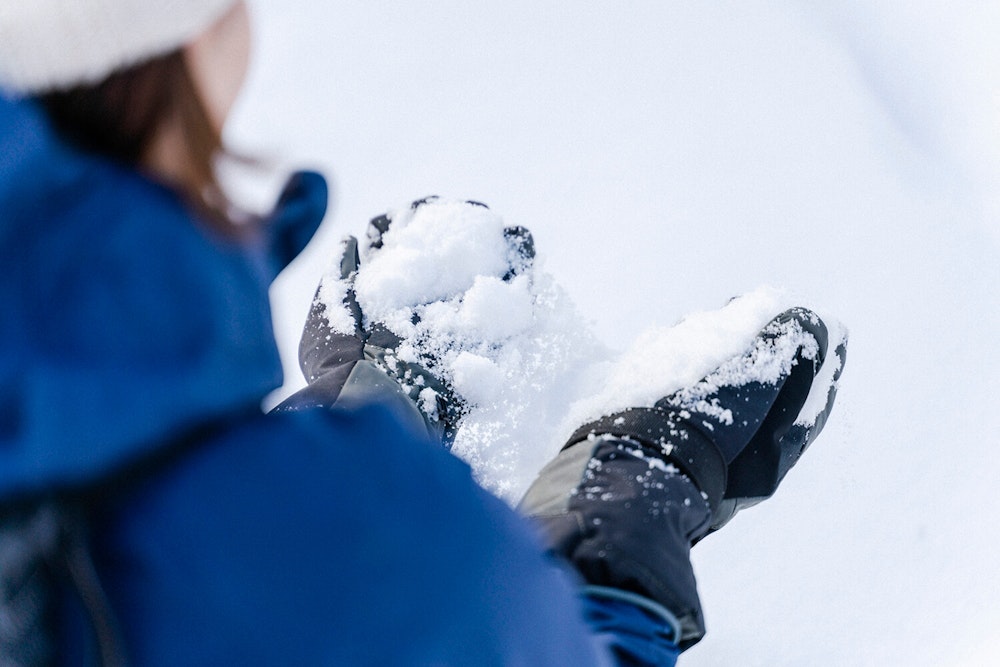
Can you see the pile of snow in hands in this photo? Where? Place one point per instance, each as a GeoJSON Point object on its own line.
{"type": "Point", "coordinates": [520, 355]}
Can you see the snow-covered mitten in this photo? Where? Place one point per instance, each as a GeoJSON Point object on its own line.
{"type": "Point", "coordinates": [349, 360]}
{"type": "Point", "coordinates": [748, 413]}
{"type": "Point", "coordinates": [630, 493]}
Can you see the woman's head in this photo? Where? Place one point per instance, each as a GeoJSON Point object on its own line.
{"type": "Point", "coordinates": [158, 105]}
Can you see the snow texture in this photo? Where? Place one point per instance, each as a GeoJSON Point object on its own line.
{"type": "Point", "coordinates": [525, 362]}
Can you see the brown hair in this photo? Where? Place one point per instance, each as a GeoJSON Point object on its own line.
{"type": "Point", "coordinates": [120, 116]}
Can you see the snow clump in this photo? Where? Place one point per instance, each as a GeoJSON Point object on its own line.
{"type": "Point", "coordinates": [494, 325]}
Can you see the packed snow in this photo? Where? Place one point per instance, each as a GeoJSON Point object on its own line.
{"type": "Point", "coordinates": [498, 329]}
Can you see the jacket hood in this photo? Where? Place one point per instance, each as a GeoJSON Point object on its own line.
{"type": "Point", "coordinates": [124, 323]}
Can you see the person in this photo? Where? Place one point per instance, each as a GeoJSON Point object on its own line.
{"type": "Point", "coordinates": [137, 348]}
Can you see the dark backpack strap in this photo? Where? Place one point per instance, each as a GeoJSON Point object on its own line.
{"type": "Point", "coordinates": [29, 535]}
{"type": "Point", "coordinates": [41, 544]}
{"type": "Point", "coordinates": [78, 564]}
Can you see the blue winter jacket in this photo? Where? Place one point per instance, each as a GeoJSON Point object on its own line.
{"type": "Point", "coordinates": [135, 349]}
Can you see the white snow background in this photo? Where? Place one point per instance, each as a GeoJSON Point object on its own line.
{"type": "Point", "coordinates": [667, 156]}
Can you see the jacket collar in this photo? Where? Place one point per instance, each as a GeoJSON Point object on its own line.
{"type": "Point", "coordinates": [124, 324]}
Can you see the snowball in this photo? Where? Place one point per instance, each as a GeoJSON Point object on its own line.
{"type": "Point", "coordinates": [430, 254]}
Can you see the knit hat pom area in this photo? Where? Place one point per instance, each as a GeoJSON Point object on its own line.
{"type": "Point", "coordinates": [55, 44]}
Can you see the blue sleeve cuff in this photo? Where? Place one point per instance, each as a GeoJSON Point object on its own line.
{"type": "Point", "coordinates": [637, 630]}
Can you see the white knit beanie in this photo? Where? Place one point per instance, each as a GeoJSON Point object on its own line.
{"type": "Point", "coordinates": [52, 44]}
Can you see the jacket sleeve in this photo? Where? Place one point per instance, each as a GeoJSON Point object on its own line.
{"type": "Point", "coordinates": [334, 538]}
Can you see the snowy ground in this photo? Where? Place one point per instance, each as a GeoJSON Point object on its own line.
{"type": "Point", "coordinates": [672, 155]}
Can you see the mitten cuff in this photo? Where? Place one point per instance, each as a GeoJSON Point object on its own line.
{"type": "Point", "coordinates": [674, 440]}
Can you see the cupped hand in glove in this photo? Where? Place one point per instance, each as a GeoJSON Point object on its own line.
{"type": "Point", "coordinates": [366, 338]}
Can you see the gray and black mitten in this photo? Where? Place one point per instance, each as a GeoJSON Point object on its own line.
{"type": "Point", "coordinates": [629, 494]}
{"type": "Point", "coordinates": [359, 364]}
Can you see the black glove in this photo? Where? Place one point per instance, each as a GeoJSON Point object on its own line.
{"type": "Point", "coordinates": [630, 493]}
{"type": "Point", "coordinates": [362, 366]}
